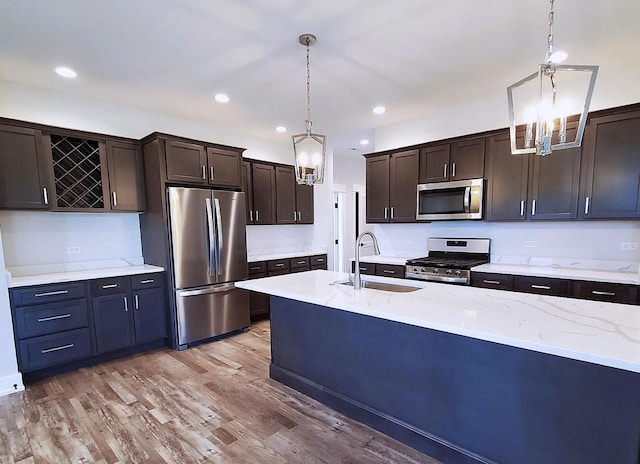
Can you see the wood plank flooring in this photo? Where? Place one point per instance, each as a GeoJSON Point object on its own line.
{"type": "Point", "coordinates": [212, 403]}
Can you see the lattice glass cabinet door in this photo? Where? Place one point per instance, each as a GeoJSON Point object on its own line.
{"type": "Point", "coordinates": [78, 177]}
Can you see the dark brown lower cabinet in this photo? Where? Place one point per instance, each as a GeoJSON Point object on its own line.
{"type": "Point", "coordinates": [390, 270]}
{"type": "Point", "coordinates": [541, 285]}
{"type": "Point", "coordinates": [60, 327]}
{"type": "Point", "coordinates": [259, 302]}
{"type": "Point", "coordinates": [586, 290]}
{"type": "Point", "coordinates": [365, 268]}
{"type": "Point", "coordinates": [489, 280]}
{"type": "Point", "coordinates": [606, 291]}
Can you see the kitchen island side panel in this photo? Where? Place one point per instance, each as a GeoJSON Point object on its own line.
{"type": "Point", "coordinates": [457, 398]}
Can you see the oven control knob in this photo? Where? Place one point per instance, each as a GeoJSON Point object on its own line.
{"type": "Point", "coordinates": [435, 271]}
{"type": "Point", "coordinates": [458, 272]}
{"type": "Point", "coordinates": [449, 271]}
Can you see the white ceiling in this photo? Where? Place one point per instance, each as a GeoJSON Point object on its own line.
{"type": "Point", "coordinates": [413, 56]}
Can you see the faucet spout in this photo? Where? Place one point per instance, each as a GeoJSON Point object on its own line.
{"type": "Point", "coordinates": [357, 281]}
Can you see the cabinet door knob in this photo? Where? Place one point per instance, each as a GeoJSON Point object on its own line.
{"type": "Point", "coordinates": [453, 169]}
{"type": "Point", "coordinates": [211, 171]}
{"type": "Point", "coordinates": [126, 304]}
{"type": "Point", "coordinates": [445, 171]}
{"type": "Point", "coordinates": [45, 195]}
{"type": "Point", "coordinates": [204, 172]}
{"type": "Point", "coordinates": [115, 199]}
{"type": "Point", "coordinates": [587, 202]}
{"type": "Point", "coordinates": [135, 298]}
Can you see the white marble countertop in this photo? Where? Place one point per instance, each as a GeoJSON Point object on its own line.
{"type": "Point", "coordinates": [591, 331]}
{"type": "Point", "coordinates": [84, 274]}
{"type": "Point", "coordinates": [252, 258]}
{"type": "Point", "coordinates": [561, 273]}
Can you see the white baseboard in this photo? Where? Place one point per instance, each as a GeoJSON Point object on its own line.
{"type": "Point", "coordinates": [11, 384]}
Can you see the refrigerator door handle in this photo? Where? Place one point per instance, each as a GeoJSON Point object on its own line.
{"type": "Point", "coordinates": [206, 290]}
{"type": "Point", "coordinates": [219, 233]}
{"type": "Point", "coordinates": [211, 235]}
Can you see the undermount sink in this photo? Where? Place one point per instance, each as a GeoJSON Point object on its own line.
{"type": "Point", "coordinates": [381, 286]}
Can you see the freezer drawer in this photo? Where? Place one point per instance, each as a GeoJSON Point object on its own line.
{"type": "Point", "coordinates": [206, 312]}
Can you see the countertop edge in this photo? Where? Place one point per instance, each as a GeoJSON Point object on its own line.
{"type": "Point", "coordinates": [88, 274]}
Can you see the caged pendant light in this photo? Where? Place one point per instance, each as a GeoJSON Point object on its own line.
{"type": "Point", "coordinates": [542, 110]}
{"type": "Point", "coordinates": [309, 148]}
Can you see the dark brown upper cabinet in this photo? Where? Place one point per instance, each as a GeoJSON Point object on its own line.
{"type": "Point", "coordinates": [391, 183]}
{"type": "Point", "coordinates": [224, 167]}
{"type": "Point", "coordinates": [186, 162]}
{"type": "Point", "coordinates": [611, 167]}
{"type": "Point", "coordinates": [462, 159]}
{"type": "Point", "coordinates": [93, 174]}
{"type": "Point", "coordinates": [507, 176]}
{"type": "Point", "coordinates": [294, 202]}
{"type": "Point", "coordinates": [262, 179]}
{"type": "Point", "coordinates": [377, 188]}
{"type": "Point", "coordinates": [126, 176]}
{"type": "Point", "coordinates": [193, 163]}
{"type": "Point", "coordinates": [23, 179]}
{"type": "Point", "coordinates": [531, 187]}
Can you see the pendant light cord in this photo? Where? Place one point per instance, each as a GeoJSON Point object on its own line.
{"type": "Point", "coordinates": [308, 121]}
{"type": "Point", "coordinates": [550, 35]}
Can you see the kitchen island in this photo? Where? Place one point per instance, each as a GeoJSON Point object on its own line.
{"type": "Point", "coordinates": [464, 374]}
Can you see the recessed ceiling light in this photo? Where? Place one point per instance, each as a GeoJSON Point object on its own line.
{"type": "Point", "coordinates": [379, 109]}
{"type": "Point", "coordinates": [364, 142]}
{"type": "Point", "coordinates": [66, 72]}
{"type": "Point", "coordinates": [558, 56]}
{"type": "Point", "coordinates": [221, 98]}
{"type": "Point", "coordinates": [281, 129]}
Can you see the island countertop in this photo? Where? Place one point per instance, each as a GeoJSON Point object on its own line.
{"type": "Point", "coordinates": [597, 332]}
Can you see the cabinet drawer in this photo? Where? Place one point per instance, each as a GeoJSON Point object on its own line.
{"type": "Point", "coordinates": [318, 262]}
{"type": "Point", "coordinates": [299, 269]}
{"type": "Point", "coordinates": [605, 291]}
{"type": "Point", "coordinates": [541, 285]}
{"type": "Point", "coordinates": [280, 272]}
{"type": "Point", "coordinates": [490, 280]}
{"type": "Point", "coordinates": [32, 321]}
{"type": "Point", "coordinates": [109, 286]}
{"type": "Point", "coordinates": [390, 270]}
{"type": "Point", "coordinates": [278, 265]}
{"type": "Point", "coordinates": [142, 281]}
{"type": "Point", "coordinates": [257, 275]}
{"type": "Point", "coordinates": [48, 293]}
{"type": "Point", "coordinates": [50, 350]}
{"type": "Point", "coordinates": [365, 268]}
{"type": "Point", "coordinates": [258, 267]}
{"type": "Point", "coordinates": [299, 262]}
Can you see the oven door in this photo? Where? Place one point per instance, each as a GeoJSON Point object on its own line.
{"type": "Point", "coordinates": [450, 200]}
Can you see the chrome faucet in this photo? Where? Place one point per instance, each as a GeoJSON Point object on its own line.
{"type": "Point", "coordinates": [357, 282]}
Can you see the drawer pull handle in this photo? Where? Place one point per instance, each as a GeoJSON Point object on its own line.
{"type": "Point", "coordinates": [493, 282]}
{"type": "Point", "coordinates": [387, 271]}
{"type": "Point", "coordinates": [126, 305]}
{"type": "Point", "coordinates": [110, 286]}
{"type": "Point", "coordinates": [148, 281]}
{"type": "Point", "coordinates": [135, 297]}
{"type": "Point", "coordinates": [598, 292]}
{"type": "Point", "coordinates": [302, 262]}
{"type": "Point", "coordinates": [320, 260]}
{"type": "Point", "coordinates": [257, 268]}
{"type": "Point", "coordinates": [279, 265]}
{"type": "Point", "coordinates": [53, 318]}
{"type": "Point", "coordinates": [541, 287]}
{"type": "Point", "coordinates": [58, 348]}
{"type": "Point", "coordinates": [59, 292]}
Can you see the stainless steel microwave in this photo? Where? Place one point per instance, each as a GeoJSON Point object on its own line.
{"type": "Point", "coordinates": [460, 199]}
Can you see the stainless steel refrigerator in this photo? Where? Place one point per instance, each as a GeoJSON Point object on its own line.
{"type": "Point", "coordinates": [208, 254]}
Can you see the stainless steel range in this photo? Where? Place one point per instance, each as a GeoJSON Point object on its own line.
{"type": "Point", "coordinates": [450, 260]}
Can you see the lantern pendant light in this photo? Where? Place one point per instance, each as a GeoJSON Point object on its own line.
{"type": "Point", "coordinates": [562, 90]}
{"type": "Point", "coordinates": [309, 148]}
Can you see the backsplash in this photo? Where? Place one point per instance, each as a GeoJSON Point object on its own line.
{"type": "Point", "coordinates": [42, 238]}
{"type": "Point", "coordinates": [568, 244]}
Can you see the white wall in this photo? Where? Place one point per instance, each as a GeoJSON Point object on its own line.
{"type": "Point", "coordinates": [36, 237]}
{"type": "Point", "coordinates": [10, 378]}
{"type": "Point", "coordinates": [569, 242]}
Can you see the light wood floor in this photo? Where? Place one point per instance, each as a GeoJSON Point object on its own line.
{"type": "Point", "coordinates": [211, 403]}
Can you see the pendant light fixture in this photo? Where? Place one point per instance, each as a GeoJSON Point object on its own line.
{"type": "Point", "coordinates": [561, 91]}
{"type": "Point", "coordinates": [309, 148]}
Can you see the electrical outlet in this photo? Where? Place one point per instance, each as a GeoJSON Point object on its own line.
{"type": "Point", "coordinates": [74, 250]}
{"type": "Point", "coordinates": [629, 246]}
{"type": "Point", "coordinates": [530, 244]}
